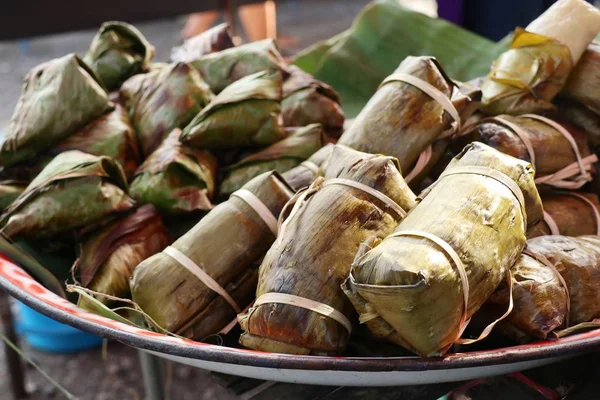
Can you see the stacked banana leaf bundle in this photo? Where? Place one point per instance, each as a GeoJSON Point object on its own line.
{"type": "Point", "coordinates": [224, 194]}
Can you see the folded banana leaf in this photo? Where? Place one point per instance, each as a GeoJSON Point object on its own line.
{"type": "Point", "coordinates": [307, 101]}
{"type": "Point", "coordinates": [311, 257]}
{"type": "Point", "coordinates": [304, 174]}
{"type": "Point", "coordinates": [568, 214]}
{"type": "Point", "coordinates": [210, 41]}
{"type": "Point", "coordinates": [108, 256]}
{"type": "Point", "coordinates": [584, 81]}
{"type": "Point", "coordinates": [75, 190]}
{"type": "Point", "coordinates": [545, 301]}
{"type": "Point", "coordinates": [165, 98]}
{"type": "Point", "coordinates": [117, 52]}
{"type": "Point", "coordinates": [58, 98]}
{"type": "Point", "coordinates": [223, 68]}
{"type": "Point", "coordinates": [402, 120]}
{"type": "Point", "coordinates": [281, 157]}
{"type": "Point", "coordinates": [225, 245]}
{"type": "Point", "coordinates": [582, 117]}
{"type": "Point", "coordinates": [446, 256]}
{"type": "Point", "coordinates": [9, 191]}
{"type": "Point", "coordinates": [544, 143]}
{"type": "Point", "coordinates": [176, 178]}
{"type": "Point", "coordinates": [245, 114]}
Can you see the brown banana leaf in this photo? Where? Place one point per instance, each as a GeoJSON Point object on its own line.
{"type": "Point", "coordinates": [525, 78]}
{"type": "Point", "coordinates": [226, 244]}
{"type": "Point", "coordinates": [117, 52]}
{"type": "Point", "coordinates": [313, 252]}
{"type": "Point", "coordinates": [210, 41]}
{"type": "Point", "coordinates": [408, 289]}
{"type": "Point", "coordinates": [176, 178]}
{"type": "Point", "coordinates": [280, 156]}
{"type": "Point", "coordinates": [108, 256]}
{"type": "Point", "coordinates": [223, 68]}
{"type": "Point", "coordinates": [245, 114]}
{"type": "Point", "coordinates": [165, 98]}
{"type": "Point", "coordinates": [573, 215]}
{"type": "Point", "coordinates": [305, 173]}
{"type": "Point", "coordinates": [401, 120]}
{"type": "Point", "coordinates": [584, 81]}
{"type": "Point", "coordinates": [58, 98]}
{"type": "Point", "coordinates": [551, 149]}
{"type": "Point", "coordinates": [582, 117]}
{"type": "Point", "coordinates": [75, 190]}
{"type": "Point", "coordinates": [308, 101]}
{"type": "Point", "coordinates": [9, 191]}
{"type": "Point", "coordinates": [542, 302]}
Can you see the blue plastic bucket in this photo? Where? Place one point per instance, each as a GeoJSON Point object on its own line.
{"type": "Point", "coordinates": [46, 334]}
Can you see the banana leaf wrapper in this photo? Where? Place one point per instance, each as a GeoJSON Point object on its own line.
{"type": "Point", "coordinates": [75, 190]}
{"type": "Point", "coordinates": [304, 174]}
{"type": "Point", "coordinates": [165, 98]}
{"type": "Point", "coordinates": [176, 178]}
{"type": "Point", "coordinates": [584, 81]}
{"type": "Point", "coordinates": [245, 114]}
{"type": "Point", "coordinates": [281, 157]}
{"type": "Point", "coordinates": [582, 117]}
{"type": "Point", "coordinates": [176, 299]}
{"type": "Point", "coordinates": [210, 41]}
{"type": "Point", "coordinates": [548, 297]}
{"type": "Point", "coordinates": [401, 120]}
{"type": "Point", "coordinates": [309, 101]}
{"type": "Point", "coordinates": [396, 284]}
{"type": "Point", "coordinates": [552, 151]}
{"type": "Point", "coordinates": [223, 68]}
{"type": "Point", "coordinates": [568, 214]}
{"type": "Point", "coordinates": [117, 52]}
{"type": "Point", "coordinates": [526, 78]}
{"type": "Point", "coordinates": [313, 266]}
{"type": "Point", "coordinates": [58, 98]}
{"type": "Point", "coordinates": [108, 256]}
{"type": "Point", "coordinates": [9, 191]}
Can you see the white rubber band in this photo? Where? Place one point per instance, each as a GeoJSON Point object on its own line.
{"type": "Point", "coordinates": [259, 207]}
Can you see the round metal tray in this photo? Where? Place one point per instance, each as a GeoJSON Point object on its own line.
{"type": "Point", "coordinates": [345, 371]}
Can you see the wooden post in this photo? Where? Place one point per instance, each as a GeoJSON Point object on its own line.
{"type": "Point", "coordinates": [13, 360]}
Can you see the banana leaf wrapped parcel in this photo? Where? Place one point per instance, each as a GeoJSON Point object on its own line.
{"type": "Point", "coordinates": [300, 307]}
{"type": "Point", "coordinates": [555, 285]}
{"type": "Point", "coordinates": [58, 98]}
{"type": "Point", "coordinates": [74, 190]}
{"type": "Point", "coordinates": [210, 41]}
{"type": "Point", "coordinates": [412, 108]}
{"type": "Point", "coordinates": [196, 286]}
{"type": "Point", "coordinates": [584, 81]}
{"type": "Point", "coordinates": [582, 117]}
{"type": "Point", "coordinates": [117, 52]}
{"type": "Point", "coordinates": [9, 191]}
{"type": "Point", "coordinates": [559, 152]}
{"type": "Point", "coordinates": [304, 174]}
{"type": "Point", "coordinates": [108, 256]}
{"type": "Point", "coordinates": [307, 101]}
{"type": "Point", "coordinates": [163, 99]}
{"type": "Point", "coordinates": [568, 213]}
{"type": "Point", "coordinates": [176, 178]}
{"type": "Point", "coordinates": [245, 114]}
{"type": "Point", "coordinates": [223, 68]}
{"type": "Point", "coordinates": [280, 156]}
{"type": "Point", "coordinates": [449, 254]}
{"type": "Point", "coordinates": [526, 78]}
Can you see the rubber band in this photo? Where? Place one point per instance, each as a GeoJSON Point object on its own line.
{"type": "Point", "coordinates": [199, 273]}
{"type": "Point", "coordinates": [259, 207]}
{"type": "Point", "coordinates": [308, 304]}
{"type": "Point", "coordinates": [433, 92]}
{"type": "Point", "coordinates": [552, 225]}
{"type": "Point", "coordinates": [594, 209]}
{"type": "Point", "coordinates": [521, 133]}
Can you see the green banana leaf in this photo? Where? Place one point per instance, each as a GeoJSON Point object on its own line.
{"type": "Point", "coordinates": [58, 98]}
{"type": "Point", "coordinates": [223, 68]}
{"type": "Point", "coordinates": [9, 191]}
{"type": "Point", "coordinates": [383, 34]}
{"type": "Point", "coordinates": [176, 178]}
{"type": "Point", "coordinates": [210, 41]}
{"type": "Point", "coordinates": [281, 157]}
{"type": "Point", "coordinates": [75, 190]}
{"type": "Point", "coordinates": [165, 98]}
{"type": "Point", "coordinates": [117, 52]}
{"type": "Point", "coordinates": [245, 114]}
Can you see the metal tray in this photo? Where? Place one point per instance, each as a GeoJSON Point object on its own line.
{"type": "Point", "coordinates": [344, 371]}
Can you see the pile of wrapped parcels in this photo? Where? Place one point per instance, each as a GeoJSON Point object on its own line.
{"type": "Point", "coordinates": [224, 189]}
